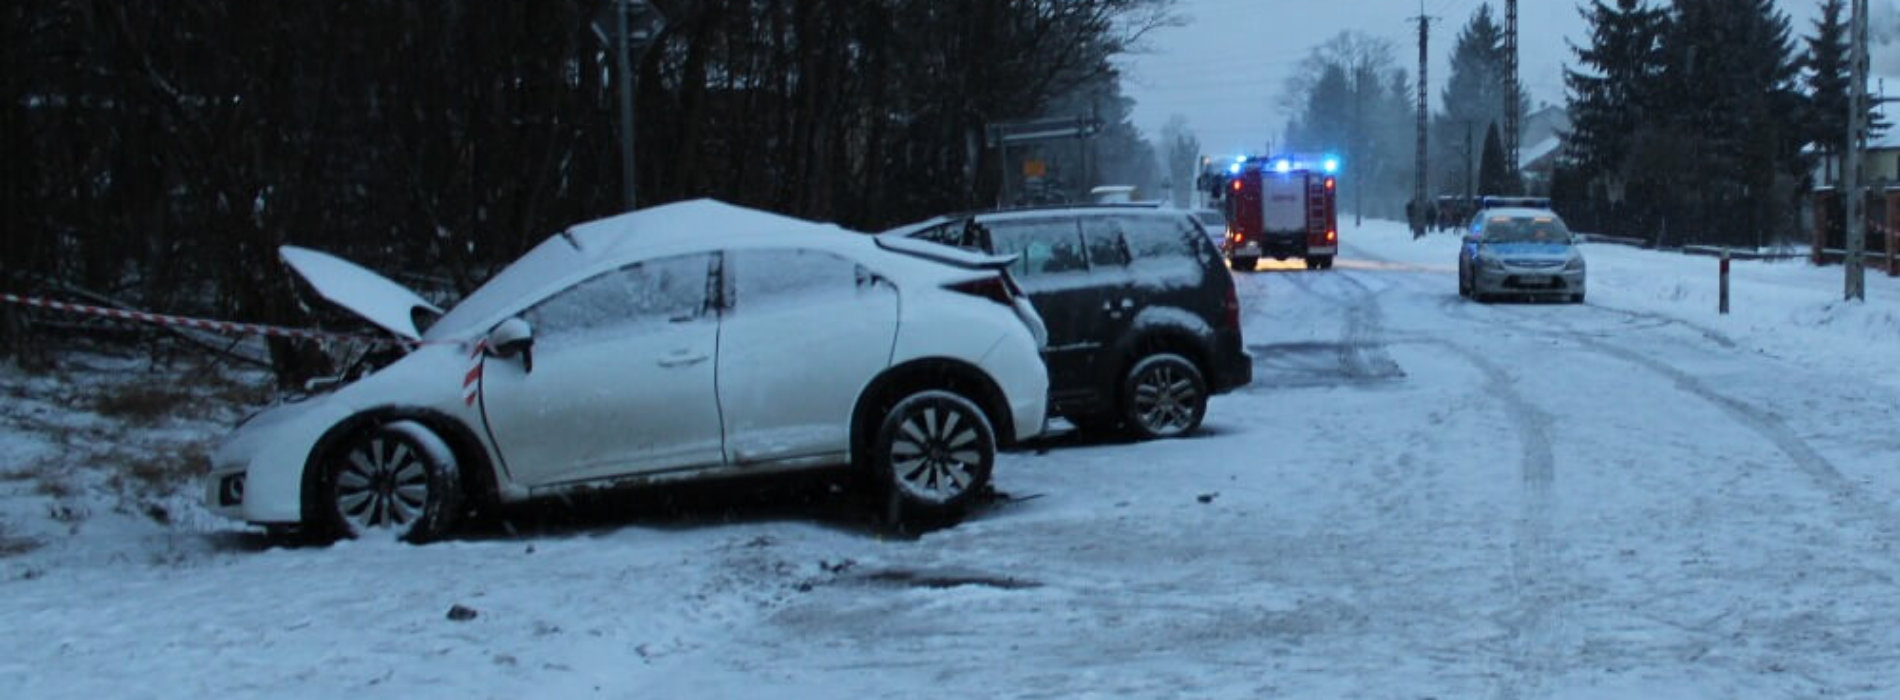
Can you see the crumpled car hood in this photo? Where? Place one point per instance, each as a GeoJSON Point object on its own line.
{"type": "Point", "coordinates": [378, 300]}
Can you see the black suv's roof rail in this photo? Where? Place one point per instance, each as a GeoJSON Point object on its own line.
{"type": "Point", "coordinates": [1126, 206]}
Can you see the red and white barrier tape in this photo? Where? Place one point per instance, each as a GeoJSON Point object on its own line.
{"type": "Point", "coordinates": [227, 327]}
{"type": "Point", "coordinates": [472, 380]}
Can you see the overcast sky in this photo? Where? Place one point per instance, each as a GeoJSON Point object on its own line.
{"type": "Point", "coordinates": [1225, 69]}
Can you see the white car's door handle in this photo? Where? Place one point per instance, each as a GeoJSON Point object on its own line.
{"type": "Point", "coordinates": [682, 360]}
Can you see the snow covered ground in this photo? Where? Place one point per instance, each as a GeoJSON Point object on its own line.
{"type": "Point", "coordinates": [1419, 496]}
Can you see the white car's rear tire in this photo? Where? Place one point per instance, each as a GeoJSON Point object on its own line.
{"type": "Point", "coordinates": [934, 453]}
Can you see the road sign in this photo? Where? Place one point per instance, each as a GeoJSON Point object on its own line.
{"type": "Point", "coordinates": [644, 23]}
{"type": "Point", "coordinates": [1012, 133]}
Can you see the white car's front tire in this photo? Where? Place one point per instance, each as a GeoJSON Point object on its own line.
{"type": "Point", "coordinates": [397, 477]}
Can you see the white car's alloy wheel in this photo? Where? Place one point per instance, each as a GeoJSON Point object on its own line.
{"type": "Point", "coordinates": [936, 449]}
{"type": "Point", "coordinates": [383, 484]}
{"type": "Point", "coordinates": [398, 478]}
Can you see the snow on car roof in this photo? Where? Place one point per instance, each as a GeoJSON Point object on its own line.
{"type": "Point", "coordinates": [585, 248]}
{"type": "Point", "coordinates": [691, 223]}
{"type": "Point", "coordinates": [1521, 213]}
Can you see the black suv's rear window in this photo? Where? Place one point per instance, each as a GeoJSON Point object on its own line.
{"type": "Point", "coordinates": [1157, 237]}
{"type": "Point", "coordinates": [1047, 246]}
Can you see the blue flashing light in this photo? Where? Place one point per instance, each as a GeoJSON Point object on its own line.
{"type": "Point", "coordinates": [1240, 159]}
{"type": "Point", "coordinates": [1283, 166]}
{"type": "Point", "coordinates": [1235, 168]}
{"type": "Point", "coordinates": [1332, 165]}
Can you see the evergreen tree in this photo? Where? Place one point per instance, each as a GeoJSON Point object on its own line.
{"type": "Point", "coordinates": [1828, 78]}
{"type": "Point", "coordinates": [1474, 92]}
{"type": "Point", "coordinates": [1611, 100]}
{"type": "Point", "coordinates": [1182, 158]}
{"type": "Point", "coordinates": [1729, 76]}
{"type": "Point", "coordinates": [1493, 175]}
{"type": "Point", "coordinates": [1351, 99]}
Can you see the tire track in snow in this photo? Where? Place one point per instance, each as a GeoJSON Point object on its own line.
{"type": "Point", "coordinates": [1856, 506]}
{"type": "Point", "coordinates": [1761, 421]}
{"type": "Point", "coordinates": [1534, 623]}
{"type": "Point", "coordinates": [1362, 353]}
{"type": "Point", "coordinates": [1361, 348]}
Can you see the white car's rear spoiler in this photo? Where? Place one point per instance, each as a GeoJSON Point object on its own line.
{"type": "Point", "coordinates": [945, 254]}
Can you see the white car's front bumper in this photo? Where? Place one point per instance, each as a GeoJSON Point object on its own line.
{"type": "Point", "coordinates": [257, 473]}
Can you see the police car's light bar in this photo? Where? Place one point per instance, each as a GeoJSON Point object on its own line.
{"type": "Point", "coordinates": [1494, 202]}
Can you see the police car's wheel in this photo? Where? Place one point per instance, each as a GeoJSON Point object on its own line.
{"type": "Point", "coordinates": [1164, 396]}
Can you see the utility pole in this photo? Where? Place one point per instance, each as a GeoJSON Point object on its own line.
{"type": "Point", "coordinates": [1510, 91]}
{"type": "Point", "coordinates": [1850, 168]}
{"type": "Point", "coordinates": [627, 28]}
{"type": "Point", "coordinates": [1419, 187]}
{"type": "Point", "coordinates": [1358, 136]}
{"type": "Point", "coordinates": [624, 76]}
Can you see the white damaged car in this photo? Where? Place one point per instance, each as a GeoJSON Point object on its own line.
{"type": "Point", "coordinates": [687, 341]}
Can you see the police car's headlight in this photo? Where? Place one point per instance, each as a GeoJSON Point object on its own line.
{"type": "Point", "coordinates": [1490, 263]}
{"type": "Point", "coordinates": [1575, 264]}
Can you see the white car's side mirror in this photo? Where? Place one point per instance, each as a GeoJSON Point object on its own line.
{"type": "Point", "coordinates": [513, 337]}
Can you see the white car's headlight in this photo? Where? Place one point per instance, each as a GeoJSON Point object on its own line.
{"type": "Point", "coordinates": [1575, 264]}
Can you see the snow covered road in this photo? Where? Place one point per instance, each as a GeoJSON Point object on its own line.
{"type": "Point", "coordinates": [1420, 496]}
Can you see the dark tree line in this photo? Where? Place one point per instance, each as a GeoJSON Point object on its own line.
{"type": "Point", "coordinates": [158, 153]}
{"type": "Point", "coordinates": [1349, 98]}
{"type": "Point", "coordinates": [1700, 121]}
{"type": "Point", "coordinates": [1473, 106]}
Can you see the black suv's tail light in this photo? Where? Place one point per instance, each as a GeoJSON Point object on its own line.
{"type": "Point", "coordinates": [996, 289]}
{"type": "Point", "coordinates": [1231, 305]}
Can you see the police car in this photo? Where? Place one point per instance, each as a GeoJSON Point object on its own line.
{"type": "Point", "coordinates": [1516, 247]}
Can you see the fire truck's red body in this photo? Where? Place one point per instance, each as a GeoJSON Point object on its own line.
{"type": "Point", "coordinates": [1281, 209]}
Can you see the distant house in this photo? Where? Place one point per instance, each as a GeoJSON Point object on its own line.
{"type": "Point", "coordinates": [1879, 162]}
{"type": "Point", "coordinates": [1542, 143]}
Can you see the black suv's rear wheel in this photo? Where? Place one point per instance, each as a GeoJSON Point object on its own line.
{"type": "Point", "coordinates": [1163, 396]}
{"type": "Point", "coordinates": [1244, 264]}
{"type": "Point", "coordinates": [934, 452]}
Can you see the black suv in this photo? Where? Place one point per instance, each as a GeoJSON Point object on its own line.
{"type": "Point", "coordinates": [1144, 324]}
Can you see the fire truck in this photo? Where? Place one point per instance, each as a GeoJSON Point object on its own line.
{"type": "Point", "coordinates": [1283, 207]}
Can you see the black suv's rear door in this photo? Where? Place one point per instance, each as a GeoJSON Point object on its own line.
{"type": "Point", "coordinates": [1106, 239]}
{"type": "Point", "coordinates": [1053, 270]}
